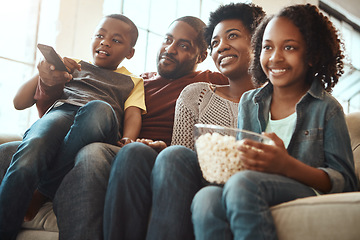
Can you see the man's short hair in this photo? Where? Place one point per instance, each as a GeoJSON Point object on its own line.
{"type": "Point", "coordinates": [134, 30]}
{"type": "Point", "coordinates": [199, 26]}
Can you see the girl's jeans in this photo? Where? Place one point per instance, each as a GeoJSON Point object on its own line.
{"type": "Point", "coordinates": [241, 209]}
{"type": "Point", "coordinates": [47, 153]}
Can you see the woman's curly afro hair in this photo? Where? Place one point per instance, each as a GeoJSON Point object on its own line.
{"type": "Point", "coordinates": [249, 14]}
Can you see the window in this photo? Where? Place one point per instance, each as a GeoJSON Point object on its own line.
{"type": "Point", "coordinates": [19, 25]}
{"type": "Point", "coordinates": [347, 91]}
{"type": "Point", "coordinates": [24, 23]}
{"type": "Point", "coordinates": [152, 18]}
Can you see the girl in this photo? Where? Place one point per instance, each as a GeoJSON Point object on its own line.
{"type": "Point", "coordinates": [298, 56]}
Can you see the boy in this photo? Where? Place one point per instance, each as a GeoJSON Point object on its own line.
{"type": "Point", "coordinates": [94, 100]}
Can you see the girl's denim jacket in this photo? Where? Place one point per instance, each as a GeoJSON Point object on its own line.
{"type": "Point", "coordinates": [321, 138]}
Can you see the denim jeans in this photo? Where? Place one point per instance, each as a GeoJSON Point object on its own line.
{"type": "Point", "coordinates": [175, 179]}
{"type": "Point", "coordinates": [79, 201]}
{"type": "Point", "coordinates": [139, 185]}
{"type": "Point", "coordinates": [128, 196]}
{"type": "Point", "coordinates": [7, 150]}
{"type": "Point", "coordinates": [47, 153]}
{"type": "Point", "coordinates": [241, 209]}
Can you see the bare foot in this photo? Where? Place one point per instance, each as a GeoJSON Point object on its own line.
{"type": "Point", "coordinates": [36, 203]}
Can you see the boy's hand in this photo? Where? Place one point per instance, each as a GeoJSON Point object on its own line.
{"type": "Point", "coordinates": [265, 158]}
{"type": "Point", "coordinates": [156, 145]}
{"type": "Point", "coordinates": [71, 64]}
{"type": "Point", "coordinates": [122, 142]}
{"type": "Point", "coordinates": [51, 77]}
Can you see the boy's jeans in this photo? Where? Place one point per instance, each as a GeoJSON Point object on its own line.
{"type": "Point", "coordinates": [47, 153]}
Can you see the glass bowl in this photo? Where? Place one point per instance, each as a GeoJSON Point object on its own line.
{"type": "Point", "coordinates": [217, 150]}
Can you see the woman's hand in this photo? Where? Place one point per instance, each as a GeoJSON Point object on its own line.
{"type": "Point", "coordinates": [156, 145]}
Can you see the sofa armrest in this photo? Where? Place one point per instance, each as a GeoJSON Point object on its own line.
{"type": "Point", "coordinates": [331, 216]}
{"type": "Point", "coordinates": [4, 138]}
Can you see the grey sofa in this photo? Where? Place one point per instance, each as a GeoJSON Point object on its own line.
{"type": "Point", "coordinates": [333, 216]}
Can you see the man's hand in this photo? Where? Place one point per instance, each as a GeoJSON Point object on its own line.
{"type": "Point", "coordinates": [148, 75]}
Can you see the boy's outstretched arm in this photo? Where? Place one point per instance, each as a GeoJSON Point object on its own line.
{"type": "Point", "coordinates": [24, 97]}
{"type": "Point", "coordinates": [51, 83]}
{"type": "Point", "coordinates": [132, 125]}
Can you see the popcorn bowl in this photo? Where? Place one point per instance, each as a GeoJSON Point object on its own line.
{"type": "Point", "coordinates": [217, 150]}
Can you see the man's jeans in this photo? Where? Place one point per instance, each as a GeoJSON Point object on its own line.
{"type": "Point", "coordinates": [241, 210]}
{"type": "Point", "coordinates": [138, 185]}
{"type": "Point", "coordinates": [79, 201]}
{"type": "Point", "coordinates": [47, 153]}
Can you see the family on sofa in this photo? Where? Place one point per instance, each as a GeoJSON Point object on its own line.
{"type": "Point", "coordinates": [109, 179]}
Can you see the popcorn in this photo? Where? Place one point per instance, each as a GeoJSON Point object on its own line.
{"type": "Point", "coordinates": [218, 156]}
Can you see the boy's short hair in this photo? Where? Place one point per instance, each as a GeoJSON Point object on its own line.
{"type": "Point", "coordinates": [134, 30]}
{"type": "Point", "coordinates": [198, 25]}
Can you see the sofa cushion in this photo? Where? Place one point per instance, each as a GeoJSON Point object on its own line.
{"type": "Point", "coordinates": [37, 235]}
{"type": "Point", "coordinates": [4, 138]}
{"type": "Point", "coordinates": [45, 219]}
{"type": "Point", "coordinates": [332, 216]}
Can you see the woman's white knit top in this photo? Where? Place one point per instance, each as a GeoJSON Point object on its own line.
{"type": "Point", "coordinates": [199, 103]}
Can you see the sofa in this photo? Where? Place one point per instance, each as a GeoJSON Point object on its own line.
{"type": "Point", "coordinates": [332, 216]}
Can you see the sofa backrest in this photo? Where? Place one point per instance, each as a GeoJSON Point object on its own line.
{"type": "Point", "coordinates": [353, 123]}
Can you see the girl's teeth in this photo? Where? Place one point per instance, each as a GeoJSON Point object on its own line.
{"type": "Point", "coordinates": [278, 70]}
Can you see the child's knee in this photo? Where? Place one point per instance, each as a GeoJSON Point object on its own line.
{"type": "Point", "coordinates": [206, 201]}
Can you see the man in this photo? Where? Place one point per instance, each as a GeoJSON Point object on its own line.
{"type": "Point", "coordinates": [79, 202]}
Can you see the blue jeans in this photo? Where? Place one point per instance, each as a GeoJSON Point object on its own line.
{"type": "Point", "coordinates": [241, 209]}
{"type": "Point", "coordinates": [128, 196]}
{"type": "Point", "coordinates": [142, 181]}
{"type": "Point", "coordinates": [7, 150]}
{"type": "Point", "coordinates": [47, 153]}
{"type": "Point", "coordinates": [79, 201]}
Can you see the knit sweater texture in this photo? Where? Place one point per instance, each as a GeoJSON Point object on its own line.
{"type": "Point", "coordinates": [199, 103]}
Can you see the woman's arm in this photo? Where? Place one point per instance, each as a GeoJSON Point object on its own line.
{"type": "Point", "coordinates": [185, 118]}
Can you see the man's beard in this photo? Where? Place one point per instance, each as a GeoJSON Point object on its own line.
{"type": "Point", "coordinates": [179, 71]}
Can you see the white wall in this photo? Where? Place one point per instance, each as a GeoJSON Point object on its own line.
{"type": "Point", "coordinates": [273, 6]}
{"type": "Point", "coordinates": [85, 15]}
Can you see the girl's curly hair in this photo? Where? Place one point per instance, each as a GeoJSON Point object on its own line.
{"type": "Point", "coordinates": [323, 45]}
{"type": "Point", "coordinates": [249, 14]}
